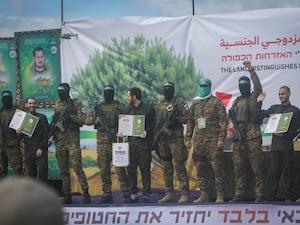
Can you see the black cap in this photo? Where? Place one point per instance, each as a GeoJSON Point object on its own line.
{"type": "Point", "coordinates": [6, 93]}
{"type": "Point", "coordinates": [169, 84]}
{"type": "Point", "coordinates": [108, 88]}
{"type": "Point", "coordinates": [244, 80]}
{"type": "Point", "coordinates": [64, 87]}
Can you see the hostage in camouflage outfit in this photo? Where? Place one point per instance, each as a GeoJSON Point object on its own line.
{"type": "Point", "coordinates": [10, 147]}
{"type": "Point", "coordinates": [172, 150]}
{"type": "Point", "coordinates": [67, 142]}
{"type": "Point", "coordinates": [247, 111]}
{"type": "Point", "coordinates": [105, 116]}
{"type": "Point", "coordinates": [207, 124]}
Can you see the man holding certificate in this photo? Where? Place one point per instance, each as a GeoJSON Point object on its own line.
{"type": "Point", "coordinates": [139, 146]}
{"type": "Point", "coordinates": [282, 148]}
{"type": "Point", "coordinates": [36, 146]}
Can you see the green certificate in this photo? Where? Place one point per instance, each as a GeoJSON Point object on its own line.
{"type": "Point", "coordinates": [279, 122]}
{"type": "Point", "coordinates": [138, 125]}
{"type": "Point", "coordinates": [131, 125]}
{"type": "Point", "coordinates": [29, 124]}
{"type": "Point", "coordinates": [26, 121]}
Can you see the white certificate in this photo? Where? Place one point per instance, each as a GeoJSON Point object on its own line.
{"type": "Point", "coordinates": [279, 122]}
{"type": "Point", "coordinates": [131, 125]}
{"type": "Point", "coordinates": [26, 121]}
{"type": "Point", "coordinates": [17, 120]}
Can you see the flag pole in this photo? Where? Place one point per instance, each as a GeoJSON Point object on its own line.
{"type": "Point", "coordinates": [193, 6]}
{"type": "Point", "coordinates": [62, 12]}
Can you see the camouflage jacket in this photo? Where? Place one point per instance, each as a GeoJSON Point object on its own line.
{"type": "Point", "coordinates": [161, 113]}
{"type": "Point", "coordinates": [106, 115]}
{"type": "Point", "coordinates": [9, 135]}
{"type": "Point", "coordinates": [74, 118]}
{"type": "Point", "coordinates": [251, 127]}
{"type": "Point", "coordinates": [214, 114]}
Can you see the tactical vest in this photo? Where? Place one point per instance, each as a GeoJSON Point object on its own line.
{"type": "Point", "coordinates": [110, 113]}
{"type": "Point", "coordinates": [242, 110]}
{"type": "Point", "coordinates": [6, 116]}
{"type": "Point", "coordinates": [164, 109]}
{"type": "Point", "coordinates": [244, 114]}
{"type": "Point", "coordinates": [62, 107]}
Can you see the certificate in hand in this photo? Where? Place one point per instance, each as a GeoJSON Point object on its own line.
{"type": "Point", "coordinates": [131, 125]}
{"type": "Point", "coordinates": [26, 121]}
{"type": "Point", "coordinates": [279, 122]}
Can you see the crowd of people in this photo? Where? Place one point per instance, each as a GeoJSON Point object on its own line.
{"type": "Point", "coordinates": [207, 123]}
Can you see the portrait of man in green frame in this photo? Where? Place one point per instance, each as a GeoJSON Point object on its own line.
{"type": "Point", "coordinates": [39, 64]}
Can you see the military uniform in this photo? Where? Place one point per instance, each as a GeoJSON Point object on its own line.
{"type": "Point", "coordinates": [109, 113]}
{"type": "Point", "coordinates": [207, 122]}
{"type": "Point", "coordinates": [172, 150]}
{"type": "Point", "coordinates": [38, 166]}
{"type": "Point", "coordinates": [140, 154]}
{"type": "Point", "coordinates": [247, 116]}
{"type": "Point", "coordinates": [67, 144]}
{"type": "Point", "coordinates": [10, 146]}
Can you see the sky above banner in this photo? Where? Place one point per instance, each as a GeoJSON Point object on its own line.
{"type": "Point", "coordinates": [27, 15]}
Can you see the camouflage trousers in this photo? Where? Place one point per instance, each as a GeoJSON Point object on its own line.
{"type": "Point", "coordinates": [242, 154]}
{"type": "Point", "coordinates": [12, 154]}
{"type": "Point", "coordinates": [104, 152]}
{"type": "Point", "coordinates": [206, 155]}
{"type": "Point", "coordinates": [173, 155]}
{"type": "Point", "coordinates": [68, 151]}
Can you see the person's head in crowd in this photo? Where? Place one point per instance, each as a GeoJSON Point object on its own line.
{"type": "Point", "coordinates": [7, 99]}
{"type": "Point", "coordinates": [168, 90]}
{"type": "Point", "coordinates": [63, 91]}
{"type": "Point", "coordinates": [204, 87]}
{"type": "Point", "coordinates": [244, 86]}
{"type": "Point", "coordinates": [134, 96]}
{"type": "Point", "coordinates": [27, 201]}
{"type": "Point", "coordinates": [30, 104]}
{"type": "Point", "coordinates": [109, 93]}
{"type": "Point", "coordinates": [284, 94]}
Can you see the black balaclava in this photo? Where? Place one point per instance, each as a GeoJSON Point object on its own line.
{"type": "Point", "coordinates": [109, 94]}
{"type": "Point", "coordinates": [7, 99]}
{"type": "Point", "coordinates": [63, 91]}
{"type": "Point", "coordinates": [244, 86]}
{"type": "Point", "coordinates": [169, 90]}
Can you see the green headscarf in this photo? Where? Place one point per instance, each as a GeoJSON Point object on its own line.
{"type": "Point", "coordinates": [205, 87]}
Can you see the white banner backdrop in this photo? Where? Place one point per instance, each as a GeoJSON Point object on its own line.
{"type": "Point", "coordinates": [185, 214]}
{"type": "Point", "coordinates": [218, 44]}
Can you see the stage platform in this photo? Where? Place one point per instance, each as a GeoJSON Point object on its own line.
{"type": "Point", "coordinates": [273, 213]}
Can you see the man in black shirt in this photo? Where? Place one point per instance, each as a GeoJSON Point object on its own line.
{"type": "Point", "coordinates": [36, 146]}
{"type": "Point", "coordinates": [282, 148]}
{"type": "Point", "coordinates": [140, 154]}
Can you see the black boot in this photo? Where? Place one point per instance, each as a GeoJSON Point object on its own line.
{"type": "Point", "coordinates": [106, 199]}
{"type": "Point", "coordinates": [86, 198]}
{"type": "Point", "coordinates": [126, 198]}
{"type": "Point", "coordinates": [68, 199]}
